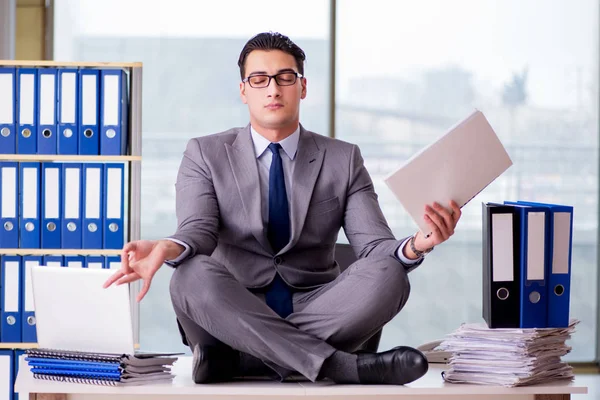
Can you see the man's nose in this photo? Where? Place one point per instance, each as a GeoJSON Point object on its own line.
{"type": "Point", "coordinates": [273, 89]}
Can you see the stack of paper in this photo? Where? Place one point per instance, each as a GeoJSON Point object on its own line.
{"type": "Point", "coordinates": [100, 369]}
{"type": "Point", "coordinates": [507, 357]}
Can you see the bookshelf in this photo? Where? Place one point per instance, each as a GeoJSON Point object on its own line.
{"type": "Point", "coordinates": [47, 157]}
{"type": "Point", "coordinates": [132, 160]}
{"type": "Point", "coordinates": [60, 252]}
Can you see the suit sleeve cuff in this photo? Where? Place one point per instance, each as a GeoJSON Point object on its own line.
{"type": "Point", "coordinates": [182, 256]}
{"type": "Point", "coordinates": [403, 259]}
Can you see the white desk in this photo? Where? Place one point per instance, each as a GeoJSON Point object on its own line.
{"type": "Point", "coordinates": [431, 386]}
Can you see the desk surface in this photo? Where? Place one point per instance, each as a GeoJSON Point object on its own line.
{"type": "Point", "coordinates": [430, 384]}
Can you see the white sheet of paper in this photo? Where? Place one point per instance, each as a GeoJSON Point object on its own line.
{"type": "Point", "coordinates": [457, 166]}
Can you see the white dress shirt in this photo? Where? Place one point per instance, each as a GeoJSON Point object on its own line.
{"type": "Point", "coordinates": [264, 157]}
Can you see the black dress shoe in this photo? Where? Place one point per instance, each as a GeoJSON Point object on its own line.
{"type": "Point", "coordinates": [397, 366]}
{"type": "Point", "coordinates": [214, 364]}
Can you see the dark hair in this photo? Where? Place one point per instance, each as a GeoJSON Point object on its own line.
{"type": "Point", "coordinates": [271, 41]}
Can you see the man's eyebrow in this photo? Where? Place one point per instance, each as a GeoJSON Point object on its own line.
{"type": "Point", "coordinates": [265, 72]}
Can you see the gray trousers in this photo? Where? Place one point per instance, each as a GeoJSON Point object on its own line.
{"type": "Point", "coordinates": [212, 307]}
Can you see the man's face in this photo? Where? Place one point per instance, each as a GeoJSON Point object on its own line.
{"type": "Point", "coordinates": [274, 106]}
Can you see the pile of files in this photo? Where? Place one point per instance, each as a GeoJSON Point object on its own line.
{"type": "Point", "coordinates": [526, 294]}
{"type": "Point", "coordinates": [99, 368]}
{"type": "Point", "coordinates": [507, 357]}
{"type": "Point", "coordinates": [53, 205]}
{"type": "Point", "coordinates": [526, 264]}
{"type": "Point", "coordinates": [78, 111]}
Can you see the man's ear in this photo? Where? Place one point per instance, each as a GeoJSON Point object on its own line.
{"type": "Point", "coordinates": [303, 93]}
{"type": "Point", "coordinates": [243, 92]}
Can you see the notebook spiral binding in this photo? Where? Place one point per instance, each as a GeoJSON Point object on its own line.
{"type": "Point", "coordinates": [72, 379]}
{"type": "Point", "coordinates": [70, 355]}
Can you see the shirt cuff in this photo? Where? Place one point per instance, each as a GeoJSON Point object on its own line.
{"type": "Point", "coordinates": [400, 254]}
{"type": "Point", "coordinates": [183, 255]}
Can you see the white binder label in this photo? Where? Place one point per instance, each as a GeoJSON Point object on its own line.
{"type": "Point", "coordinates": [22, 395]}
{"type": "Point", "coordinates": [30, 193]}
{"type": "Point", "coordinates": [111, 100]}
{"type": "Point", "coordinates": [92, 193]}
{"type": "Point", "coordinates": [7, 101]}
{"type": "Point", "coordinates": [68, 89]}
{"type": "Point", "coordinates": [536, 222]}
{"type": "Point", "coordinates": [72, 193]}
{"type": "Point", "coordinates": [53, 264]}
{"type": "Point", "coordinates": [26, 99]}
{"type": "Point", "coordinates": [47, 99]}
{"type": "Point", "coordinates": [95, 265]}
{"type": "Point", "coordinates": [9, 192]}
{"type": "Point", "coordinates": [11, 286]}
{"type": "Point", "coordinates": [113, 196]}
{"type": "Point", "coordinates": [115, 265]}
{"type": "Point", "coordinates": [51, 196]}
{"type": "Point", "coordinates": [502, 248]}
{"type": "Point", "coordinates": [6, 384]}
{"type": "Point", "coordinates": [561, 243]}
{"type": "Point", "coordinates": [75, 264]}
{"type": "Point", "coordinates": [89, 100]}
{"type": "Point", "coordinates": [29, 305]}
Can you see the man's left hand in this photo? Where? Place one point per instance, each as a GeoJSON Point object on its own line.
{"type": "Point", "coordinates": [441, 222]}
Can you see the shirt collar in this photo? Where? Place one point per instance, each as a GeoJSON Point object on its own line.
{"type": "Point", "coordinates": [289, 144]}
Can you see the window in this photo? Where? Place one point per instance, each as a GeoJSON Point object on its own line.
{"type": "Point", "coordinates": [407, 71]}
{"type": "Point", "coordinates": [190, 89]}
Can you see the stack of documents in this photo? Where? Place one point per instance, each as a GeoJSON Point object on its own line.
{"type": "Point", "coordinates": [99, 368]}
{"type": "Point", "coordinates": [507, 357]}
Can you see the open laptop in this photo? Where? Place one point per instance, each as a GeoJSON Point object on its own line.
{"type": "Point", "coordinates": [74, 312]}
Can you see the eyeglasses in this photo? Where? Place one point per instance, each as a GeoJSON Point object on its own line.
{"type": "Point", "coordinates": [282, 79]}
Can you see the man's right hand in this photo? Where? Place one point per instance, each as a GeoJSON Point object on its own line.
{"type": "Point", "coordinates": [141, 259]}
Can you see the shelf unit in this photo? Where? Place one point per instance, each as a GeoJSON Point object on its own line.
{"type": "Point", "coordinates": [133, 159]}
{"type": "Point", "coordinates": [48, 157]}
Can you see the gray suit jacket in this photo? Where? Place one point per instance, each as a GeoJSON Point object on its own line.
{"type": "Point", "coordinates": [219, 209]}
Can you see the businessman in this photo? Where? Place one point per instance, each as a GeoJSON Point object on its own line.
{"type": "Point", "coordinates": [255, 287]}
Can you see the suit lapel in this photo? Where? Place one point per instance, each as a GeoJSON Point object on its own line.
{"type": "Point", "coordinates": [307, 165]}
{"type": "Point", "coordinates": [245, 170]}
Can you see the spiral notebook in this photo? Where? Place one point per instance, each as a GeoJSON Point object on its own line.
{"type": "Point", "coordinates": [100, 369]}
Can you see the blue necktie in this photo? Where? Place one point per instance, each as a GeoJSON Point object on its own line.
{"type": "Point", "coordinates": [278, 295]}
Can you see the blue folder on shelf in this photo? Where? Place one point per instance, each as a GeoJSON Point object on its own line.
{"type": "Point", "coordinates": [113, 191]}
{"type": "Point", "coordinates": [94, 262]}
{"type": "Point", "coordinates": [51, 199]}
{"type": "Point", "coordinates": [46, 107]}
{"type": "Point", "coordinates": [29, 322]}
{"type": "Point", "coordinates": [9, 205]}
{"type": "Point", "coordinates": [10, 288]}
{"type": "Point", "coordinates": [75, 261]}
{"type": "Point", "coordinates": [113, 112]}
{"type": "Point", "coordinates": [92, 235]}
{"type": "Point", "coordinates": [72, 208]}
{"type": "Point", "coordinates": [8, 136]}
{"type": "Point", "coordinates": [29, 221]}
{"type": "Point", "coordinates": [27, 94]}
{"type": "Point", "coordinates": [89, 88]}
{"type": "Point", "coordinates": [68, 100]}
